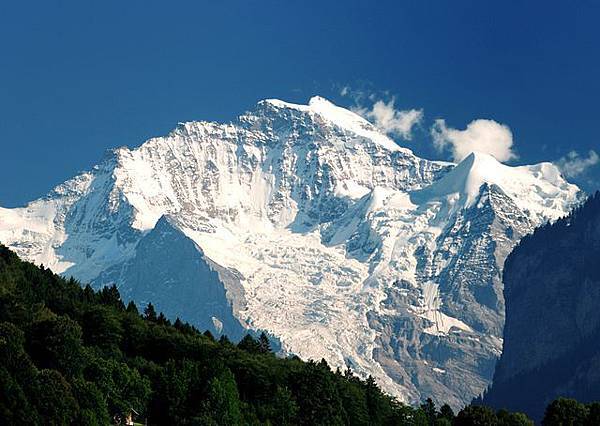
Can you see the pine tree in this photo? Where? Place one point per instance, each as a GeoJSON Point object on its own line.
{"type": "Point", "coordinates": [430, 411]}
{"type": "Point", "coordinates": [132, 308]}
{"type": "Point", "coordinates": [249, 344]}
{"type": "Point", "coordinates": [224, 340]}
{"type": "Point", "coordinates": [446, 412]}
{"type": "Point", "coordinates": [109, 295]}
{"type": "Point", "coordinates": [265, 345]}
{"type": "Point", "coordinates": [178, 324]}
{"type": "Point", "coordinates": [162, 319]}
{"type": "Point", "coordinates": [150, 312]}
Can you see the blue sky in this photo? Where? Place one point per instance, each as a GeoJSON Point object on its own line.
{"type": "Point", "coordinates": [77, 79]}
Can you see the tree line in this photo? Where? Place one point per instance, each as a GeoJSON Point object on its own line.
{"type": "Point", "coordinates": [72, 355]}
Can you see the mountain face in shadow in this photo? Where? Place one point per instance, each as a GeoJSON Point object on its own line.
{"type": "Point", "coordinates": [170, 271]}
{"type": "Point", "coordinates": [552, 331]}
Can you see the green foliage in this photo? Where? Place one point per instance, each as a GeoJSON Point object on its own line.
{"type": "Point", "coordinates": [250, 345]}
{"type": "Point", "coordinates": [54, 342]}
{"type": "Point", "coordinates": [102, 327]}
{"type": "Point", "coordinates": [593, 417]}
{"type": "Point", "coordinates": [69, 355]}
{"type": "Point", "coordinates": [476, 415]}
{"type": "Point", "coordinates": [93, 409]}
{"type": "Point", "coordinates": [53, 399]}
{"type": "Point", "coordinates": [223, 402]}
{"type": "Point", "coordinates": [430, 411]}
{"type": "Point", "coordinates": [565, 412]}
{"type": "Point", "coordinates": [284, 409]}
{"type": "Point", "coordinates": [506, 418]}
{"type": "Point", "coordinates": [317, 395]}
{"type": "Point", "coordinates": [263, 343]}
{"type": "Point", "coordinates": [150, 313]}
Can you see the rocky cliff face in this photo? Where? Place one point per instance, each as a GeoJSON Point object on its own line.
{"type": "Point", "coordinates": [306, 222]}
{"type": "Point", "coordinates": [552, 291]}
{"type": "Point", "coordinates": [171, 271]}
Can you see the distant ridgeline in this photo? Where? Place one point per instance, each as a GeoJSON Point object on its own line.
{"type": "Point", "coordinates": [552, 331]}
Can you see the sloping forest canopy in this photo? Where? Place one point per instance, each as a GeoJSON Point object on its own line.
{"type": "Point", "coordinates": [70, 355]}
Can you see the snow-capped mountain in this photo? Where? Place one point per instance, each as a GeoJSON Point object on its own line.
{"type": "Point", "coordinates": [307, 222]}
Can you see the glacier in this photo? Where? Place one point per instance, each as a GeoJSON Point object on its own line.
{"type": "Point", "coordinates": [308, 223]}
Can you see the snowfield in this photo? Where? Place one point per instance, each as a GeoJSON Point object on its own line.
{"type": "Point", "coordinates": [325, 233]}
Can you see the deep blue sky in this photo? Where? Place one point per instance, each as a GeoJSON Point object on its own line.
{"type": "Point", "coordinates": [77, 78]}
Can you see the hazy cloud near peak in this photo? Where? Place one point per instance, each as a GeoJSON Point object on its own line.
{"type": "Point", "coordinates": [573, 164]}
{"type": "Point", "coordinates": [390, 120]}
{"type": "Point", "coordinates": [487, 136]}
{"type": "Point", "coordinates": [384, 115]}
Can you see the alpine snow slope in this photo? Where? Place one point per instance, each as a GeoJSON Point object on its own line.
{"type": "Point", "coordinates": [305, 221]}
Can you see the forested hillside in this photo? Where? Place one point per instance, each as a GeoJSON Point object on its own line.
{"type": "Point", "coordinates": [69, 355]}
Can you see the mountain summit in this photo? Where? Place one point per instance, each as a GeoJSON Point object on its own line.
{"type": "Point", "coordinates": [306, 222]}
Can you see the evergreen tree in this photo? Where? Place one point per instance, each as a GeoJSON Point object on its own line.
{"type": "Point", "coordinates": [249, 344]}
{"type": "Point", "coordinates": [150, 312]}
{"type": "Point", "coordinates": [102, 327]}
{"type": "Point", "coordinates": [132, 308]}
{"type": "Point", "coordinates": [285, 408]}
{"type": "Point", "coordinates": [224, 340]}
{"type": "Point", "coordinates": [354, 402]}
{"type": "Point", "coordinates": [430, 411]}
{"type": "Point", "coordinates": [376, 403]}
{"type": "Point", "coordinates": [317, 397]}
{"type": "Point", "coordinates": [110, 296]}
{"type": "Point", "coordinates": [446, 412]}
{"type": "Point", "coordinates": [265, 345]}
{"type": "Point", "coordinates": [162, 319]}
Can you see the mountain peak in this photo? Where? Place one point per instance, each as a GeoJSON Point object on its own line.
{"type": "Point", "coordinates": [314, 103]}
{"type": "Point", "coordinates": [308, 210]}
{"type": "Point", "coordinates": [316, 100]}
{"type": "Point", "coordinates": [467, 177]}
{"type": "Point", "coordinates": [527, 184]}
{"type": "Point", "coordinates": [340, 117]}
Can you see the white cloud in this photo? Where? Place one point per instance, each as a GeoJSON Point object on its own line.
{"type": "Point", "coordinates": [383, 115]}
{"type": "Point", "coordinates": [390, 120]}
{"type": "Point", "coordinates": [573, 165]}
{"type": "Point", "coordinates": [487, 136]}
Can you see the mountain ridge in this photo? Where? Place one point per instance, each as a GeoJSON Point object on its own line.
{"type": "Point", "coordinates": [338, 252]}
